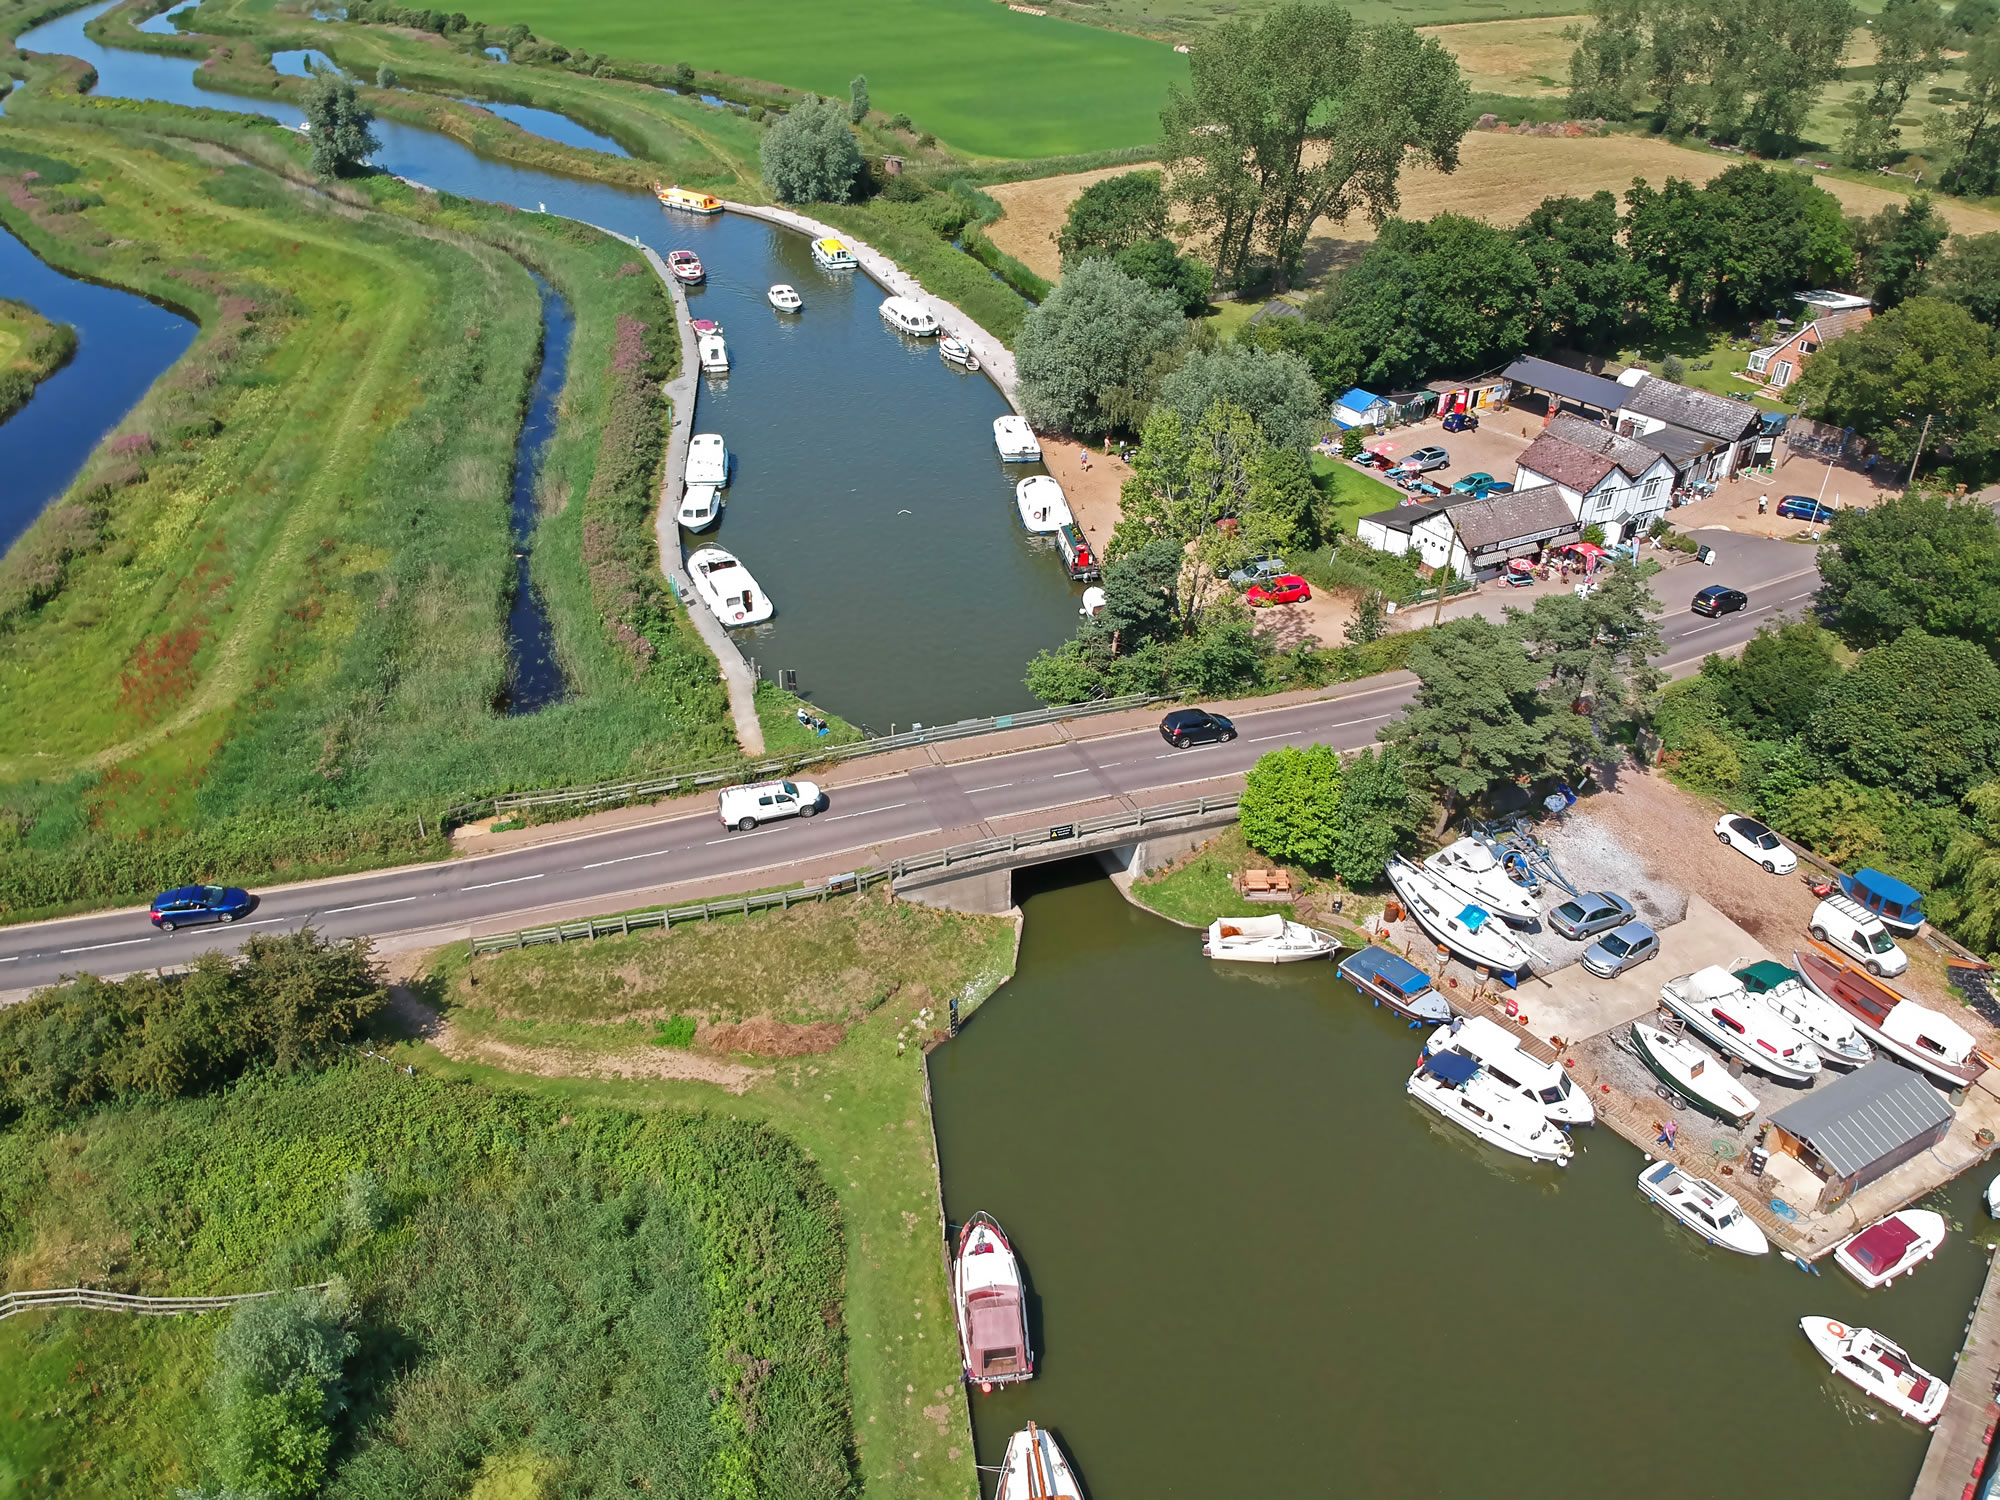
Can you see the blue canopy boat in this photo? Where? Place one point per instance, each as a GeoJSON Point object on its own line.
{"type": "Point", "coordinates": [1392, 980]}
{"type": "Point", "coordinates": [1900, 906]}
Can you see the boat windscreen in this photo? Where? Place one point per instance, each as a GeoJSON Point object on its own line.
{"type": "Point", "coordinates": [1454, 1068]}
{"type": "Point", "coordinates": [1473, 918]}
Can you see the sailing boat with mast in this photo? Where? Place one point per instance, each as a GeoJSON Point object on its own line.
{"type": "Point", "coordinates": [1036, 1468]}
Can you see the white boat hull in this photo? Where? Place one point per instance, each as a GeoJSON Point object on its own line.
{"type": "Point", "coordinates": [986, 1272]}
{"type": "Point", "coordinates": [1703, 1208]}
{"type": "Point", "coordinates": [726, 588]}
{"type": "Point", "coordinates": [1435, 905]}
{"type": "Point", "coordinates": [1043, 507]}
{"type": "Point", "coordinates": [1036, 1468]}
{"type": "Point", "coordinates": [1492, 1119]}
{"type": "Point", "coordinates": [1929, 1230]}
{"type": "Point", "coordinates": [701, 507]}
{"type": "Point", "coordinates": [1877, 1368]}
{"type": "Point", "coordinates": [784, 299]}
{"type": "Point", "coordinates": [1469, 866]}
{"type": "Point", "coordinates": [1697, 1077]}
{"type": "Point", "coordinates": [1297, 945]}
{"type": "Point", "coordinates": [1697, 1017]}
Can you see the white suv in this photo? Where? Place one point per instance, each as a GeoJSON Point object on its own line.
{"type": "Point", "coordinates": [744, 807]}
{"type": "Point", "coordinates": [1856, 931]}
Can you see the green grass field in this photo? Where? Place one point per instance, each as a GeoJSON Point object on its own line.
{"type": "Point", "coordinates": [988, 80]}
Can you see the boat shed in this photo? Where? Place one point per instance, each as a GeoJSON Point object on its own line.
{"type": "Point", "coordinates": [1862, 1127]}
{"type": "Point", "coordinates": [1567, 387]}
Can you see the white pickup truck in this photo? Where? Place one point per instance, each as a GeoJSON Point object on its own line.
{"type": "Point", "coordinates": [744, 807]}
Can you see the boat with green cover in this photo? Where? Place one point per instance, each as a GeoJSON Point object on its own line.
{"type": "Point", "coordinates": [1693, 1075]}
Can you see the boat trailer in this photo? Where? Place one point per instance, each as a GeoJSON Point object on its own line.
{"type": "Point", "coordinates": [1522, 852]}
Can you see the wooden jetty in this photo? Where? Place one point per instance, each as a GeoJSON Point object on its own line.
{"type": "Point", "coordinates": [1964, 1433]}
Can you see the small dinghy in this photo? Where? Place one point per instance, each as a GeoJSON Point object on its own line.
{"type": "Point", "coordinates": [1722, 1013]}
{"type": "Point", "coordinates": [1043, 506]}
{"type": "Point", "coordinates": [1878, 1367]}
{"type": "Point", "coordinates": [1891, 1247]}
{"type": "Point", "coordinates": [1829, 1028]}
{"type": "Point", "coordinates": [1470, 865]}
{"type": "Point", "coordinates": [1266, 940]}
{"type": "Point", "coordinates": [726, 587]}
{"type": "Point", "coordinates": [686, 267]}
{"type": "Point", "coordinates": [1902, 1028]}
{"type": "Point", "coordinates": [1693, 1074]}
{"type": "Point", "coordinates": [957, 351]}
{"type": "Point", "coordinates": [1468, 930]}
{"type": "Point", "coordinates": [701, 507]}
{"type": "Point", "coordinates": [992, 1306]}
{"type": "Point", "coordinates": [785, 298]}
{"type": "Point", "coordinates": [1704, 1208]}
{"type": "Point", "coordinates": [713, 353]}
{"type": "Point", "coordinates": [1036, 1469]}
{"type": "Point", "coordinates": [1392, 980]}
{"type": "Point", "coordinates": [1500, 1053]}
{"type": "Point", "coordinates": [1461, 1091]}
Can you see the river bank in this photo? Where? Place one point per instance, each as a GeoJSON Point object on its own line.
{"type": "Point", "coordinates": [32, 348]}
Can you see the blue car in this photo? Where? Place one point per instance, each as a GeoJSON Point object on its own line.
{"type": "Point", "coordinates": [188, 905]}
{"type": "Point", "coordinates": [1805, 508]}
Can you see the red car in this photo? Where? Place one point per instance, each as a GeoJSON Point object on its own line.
{"type": "Point", "coordinates": [1286, 588]}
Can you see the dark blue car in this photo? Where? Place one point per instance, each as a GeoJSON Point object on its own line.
{"type": "Point", "coordinates": [190, 904]}
{"type": "Point", "coordinates": [1805, 508]}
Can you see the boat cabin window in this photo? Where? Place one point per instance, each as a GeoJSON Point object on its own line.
{"type": "Point", "coordinates": [1473, 1109]}
{"type": "Point", "coordinates": [1928, 1045]}
{"type": "Point", "coordinates": [1511, 1083]}
{"type": "Point", "coordinates": [1555, 1094]}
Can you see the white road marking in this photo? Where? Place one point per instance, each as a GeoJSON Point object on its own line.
{"type": "Point", "coordinates": [263, 921]}
{"type": "Point", "coordinates": [735, 836]}
{"type": "Point", "coordinates": [976, 790]}
{"type": "Point", "coordinates": [626, 859]}
{"type": "Point", "coordinates": [93, 947]}
{"type": "Point", "coordinates": [870, 811]}
{"type": "Point", "coordinates": [14, 960]}
{"type": "Point", "coordinates": [492, 883]}
{"type": "Point", "coordinates": [365, 906]}
{"type": "Point", "coordinates": [1083, 771]}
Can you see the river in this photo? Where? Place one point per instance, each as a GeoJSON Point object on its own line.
{"type": "Point", "coordinates": [1259, 1268]}
{"type": "Point", "coordinates": [867, 497]}
{"type": "Point", "coordinates": [535, 678]}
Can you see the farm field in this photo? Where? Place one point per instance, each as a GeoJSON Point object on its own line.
{"type": "Point", "coordinates": [989, 81]}
{"type": "Point", "coordinates": [1179, 19]}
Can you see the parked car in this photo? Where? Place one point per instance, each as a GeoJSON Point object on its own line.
{"type": "Point", "coordinates": [1846, 925]}
{"type": "Point", "coordinates": [1426, 459]}
{"type": "Point", "coordinates": [1474, 484]}
{"type": "Point", "coordinates": [1718, 601]}
{"type": "Point", "coordinates": [744, 807]}
{"type": "Point", "coordinates": [1805, 508]}
{"type": "Point", "coordinates": [1461, 421]}
{"type": "Point", "coordinates": [1590, 914]}
{"type": "Point", "coordinates": [1615, 952]}
{"type": "Point", "coordinates": [1196, 726]}
{"type": "Point", "coordinates": [1749, 837]}
{"type": "Point", "coordinates": [1498, 487]}
{"type": "Point", "coordinates": [192, 905]}
{"type": "Point", "coordinates": [1286, 588]}
{"type": "Point", "coordinates": [1257, 570]}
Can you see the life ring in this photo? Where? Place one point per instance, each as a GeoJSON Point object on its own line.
{"type": "Point", "coordinates": [739, 614]}
{"type": "Point", "coordinates": [1836, 1330]}
{"type": "Point", "coordinates": [1512, 1008]}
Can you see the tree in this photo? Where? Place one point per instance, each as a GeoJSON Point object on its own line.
{"type": "Point", "coordinates": [1967, 898]}
{"type": "Point", "coordinates": [1910, 37]}
{"type": "Point", "coordinates": [1741, 246]}
{"type": "Point", "coordinates": [279, 1380]}
{"type": "Point", "coordinates": [1916, 562]}
{"type": "Point", "coordinates": [1924, 360]}
{"type": "Point", "coordinates": [1290, 806]}
{"type": "Point", "coordinates": [1595, 654]}
{"type": "Point", "coordinates": [1377, 815]}
{"type": "Point", "coordinates": [1298, 116]}
{"type": "Point", "coordinates": [1370, 620]}
{"type": "Point", "coordinates": [1097, 330]}
{"type": "Point", "coordinates": [1277, 390]}
{"type": "Point", "coordinates": [1115, 214]}
{"type": "Point", "coordinates": [1969, 274]}
{"type": "Point", "coordinates": [1774, 688]}
{"type": "Point", "coordinates": [1187, 477]}
{"type": "Point", "coordinates": [857, 99]}
{"type": "Point", "coordinates": [1964, 144]}
{"type": "Point", "coordinates": [1920, 715]}
{"type": "Point", "coordinates": [684, 76]}
{"type": "Point", "coordinates": [337, 125]}
{"type": "Point", "coordinates": [1158, 265]}
{"type": "Point", "coordinates": [810, 155]}
{"type": "Point", "coordinates": [385, 77]}
{"type": "Point", "coordinates": [1588, 284]}
{"type": "Point", "coordinates": [1896, 248]}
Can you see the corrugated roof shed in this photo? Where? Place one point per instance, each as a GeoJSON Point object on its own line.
{"type": "Point", "coordinates": [1855, 1121]}
{"type": "Point", "coordinates": [1677, 443]}
{"type": "Point", "coordinates": [1698, 411]}
{"type": "Point", "coordinates": [1573, 385]}
{"type": "Point", "coordinates": [1406, 517]}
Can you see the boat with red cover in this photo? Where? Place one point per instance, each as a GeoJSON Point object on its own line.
{"type": "Point", "coordinates": [686, 266]}
{"type": "Point", "coordinates": [1878, 1367]}
{"type": "Point", "coordinates": [1908, 1031]}
{"type": "Point", "coordinates": [1890, 1247]}
{"type": "Point", "coordinates": [992, 1306]}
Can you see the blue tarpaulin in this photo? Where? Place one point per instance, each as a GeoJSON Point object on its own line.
{"type": "Point", "coordinates": [1454, 1068]}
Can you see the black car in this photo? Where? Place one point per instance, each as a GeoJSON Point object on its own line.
{"type": "Point", "coordinates": [1717, 600]}
{"type": "Point", "coordinates": [1195, 726]}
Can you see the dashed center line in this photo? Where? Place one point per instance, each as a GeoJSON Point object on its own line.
{"type": "Point", "coordinates": [365, 906]}
{"type": "Point", "coordinates": [1079, 772]}
{"type": "Point", "coordinates": [626, 859]}
{"type": "Point", "coordinates": [735, 836]}
{"type": "Point", "coordinates": [489, 885]}
{"type": "Point", "coordinates": [93, 947]}
{"type": "Point", "coordinates": [868, 812]}
{"type": "Point", "coordinates": [975, 790]}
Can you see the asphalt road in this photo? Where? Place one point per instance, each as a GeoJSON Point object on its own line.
{"type": "Point", "coordinates": [1779, 577]}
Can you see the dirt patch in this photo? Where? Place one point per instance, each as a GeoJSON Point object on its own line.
{"type": "Point", "coordinates": [761, 1036]}
{"type": "Point", "coordinates": [1035, 213]}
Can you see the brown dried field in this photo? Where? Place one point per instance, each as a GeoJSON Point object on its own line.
{"type": "Point", "coordinates": [1524, 58]}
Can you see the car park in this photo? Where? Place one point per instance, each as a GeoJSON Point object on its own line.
{"type": "Point", "coordinates": [1286, 588]}
{"type": "Point", "coordinates": [1591, 913]}
{"type": "Point", "coordinates": [1717, 600]}
{"type": "Point", "coordinates": [1474, 484]}
{"type": "Point", "coordinates": [1805, 508]}
{"type": "Point", "coordinates": [196, 905]}
{"type": "Point", "coordinates": [1196, 726]}
{"type": "Point", "coordinates": [1854, 931]}
{"type": "Point", "coordinates": [1622, 949]}
{"type": "Point", "coordinates": [1257, 570]}
{"type": "Point", "coordinates": [744, 807]}
{"type": "Point", "coordinates": [1461, 421]}
{"type": "Point", "coordinates": [1752, 839]}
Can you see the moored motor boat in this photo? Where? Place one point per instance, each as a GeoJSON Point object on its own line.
{"type": "Point", "coordinates": [1704, 1208]}
{"type": "Point", "coordinates": [1036, 1468]}
{"type": "Point", "coordinates": [785, 298]}
{"type": "Point", "coordinates": [1471, 866]}
{"type": "Point", "coordinates": [702, 326]}
{"type": "Point", "coordinates": [1392, 980]}
{"type": "Point", "coordinates": [686, 267]}
{"type": "Point", "coordinates": [1904, 1029]}
{"type": "Point", "coordinates": [1878, 1367]}
{"type": "Point", "coordinates": [1891, 1247]}
{"type": "Point", "coordinates": [957, 351]}
{"type": "Point", "coordinates": [1829, 1028]}
{"type": "Point", "coordinates": [1508, 1063]}
{"type": "Point", "coordinates": [991, 1298]}
{"type": "Point", "coordinates": [713, 354]}
{"type": "Point", "coordinates": [1715, 1006]}
{"type": "Point", "coordinates": [831, 254]}
{"type": "Point", "coordinates": [1693, 1074]}
{"type": "Point", "coordinates": [701, 507]}
{"type": "Point", "coordinates": [687, 200]}
{"type": "Point", "coordinates": [1462, 1092]}
{"type": "Point", "coordinates": [726, 587]}
{"type": "Point", "coordinates": [1993, 1198]}
{"type": "Point", "coordinates": [907, 315]}
{"type": "Point", "coordinates": [1043, 506]}
{"type": "Point", "coordinates": [1016, 440]}
{"type": "Point", "coordinates": [708, 460]}
{"type": "Point", "coordinates": [1468, 930]}
{"type": "Point", "coordinates": [1266, 940]}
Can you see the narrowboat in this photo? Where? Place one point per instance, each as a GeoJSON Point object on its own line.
{"type": "Point", "coordinates": [687, 200]}
{"type": "Point", "coordinates": [1076, 553]}
{"type": "Point", "coordinates": [1392, 980]}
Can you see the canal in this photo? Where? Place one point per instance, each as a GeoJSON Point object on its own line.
{"type": "Point", "coordinates": [867, 497]}
{"type": "Point", "coordinates": [1259, 1268]}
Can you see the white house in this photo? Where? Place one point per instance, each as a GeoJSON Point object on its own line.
{"type": "Point", "coordinates": [1395, 531]}
{"type": "Point", "coordinates": [1708, 436]}
{"type": "Point", "coordinates": [1477, 538]}
{"type": "Point", "coordinates": [1606, 480]}
{"type": "Point", "coordinates": [1359, 408]}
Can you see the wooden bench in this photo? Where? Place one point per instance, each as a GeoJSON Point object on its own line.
{"type": "Point", "coordinates": [1269, 884]}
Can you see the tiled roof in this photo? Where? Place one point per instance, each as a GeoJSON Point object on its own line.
{"type": "Point", "coordinates": [1634, 457]}
{"type": "Point", "coordinates": [1679, 445]}
{"type": "Point", "coordinates": [1855, 1121]}
{"type": "Point", "coordinates": [1565, 463]}
{"type": "Point", "coordinates": [1483, 524]}
{"type": "Point", "coordinates": [1698, 411]}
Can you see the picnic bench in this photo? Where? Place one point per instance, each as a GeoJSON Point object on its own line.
{"type": "Point", "coordinates": [1265, 885]}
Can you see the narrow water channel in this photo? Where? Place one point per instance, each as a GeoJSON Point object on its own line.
{"type": "Point", "coordinates": [535, 679]}
{"type": "Point", "coordinates": [1259, 1268]}
{"type": "Point", "coordinates": [867, 499]}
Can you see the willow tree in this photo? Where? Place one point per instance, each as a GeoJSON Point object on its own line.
{"type": "Point", "coordinates": [1299, 116]}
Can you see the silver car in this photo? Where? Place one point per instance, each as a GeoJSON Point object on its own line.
{"type": "Point", "coordinates": [1627, 948]}
{"type": "Point", "coordinates": [1590, 914]}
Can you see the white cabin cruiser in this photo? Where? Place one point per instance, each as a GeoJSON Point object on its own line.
{"type": "Point", "coordinates": [1693, 1074]}
{"type": "Point", "coordinates": [1993, 1198]}
{"type": "Point", "coordinates": [1829, 1028]}
{"type": "Point", "coordinates": [1507, 1062]}
{"type": "Point", "coordinates": [1880, 1368]}
{"type": "Point", "coordinates": [1470, 931]}
{"type": "Point", "coordinates": [1043, 506]}
{"type": "Point", "coordinates": [708, 460]}
{"type": "Point", "coordinates": [785, 298]}
{"type": "Point", "coordinates": [701, 507]}
{"type": "Point", "coordinates": [957, 351]}
{"type": "Point", "coordinates": [1704, 1208]}
{"type": "Point", "coordinates": [1036, 1468]}
{"type": "Point", "coordinates": [1465, 1094]}
{"type": "Point", "coordinates": [1266, 940]}
{"type": "Point", "coordinates": [1717, 1008]}
{"type": "Point", "coordinates": [991, 1297]}
{"type": "Point", "coordinates": [1890, 1247]}
{"type": "Point", "coordinates": [713, 354]}
{"type": "Point", "coordinates": [1016, 441]}
{"type": "Point", "coordinates": [727, 588]}
{"type": "Point", "coordinates": [1470, 865]}
{"type": "Point", "coordinates": [907, 315]}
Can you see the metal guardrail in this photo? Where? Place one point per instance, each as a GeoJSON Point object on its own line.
{"type": "Point", "coordinates": [155, 1307]}
{"type": "Point", "coordinates": [732, 771]}
{"type": "Point", "coordinates": [624, 925]}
